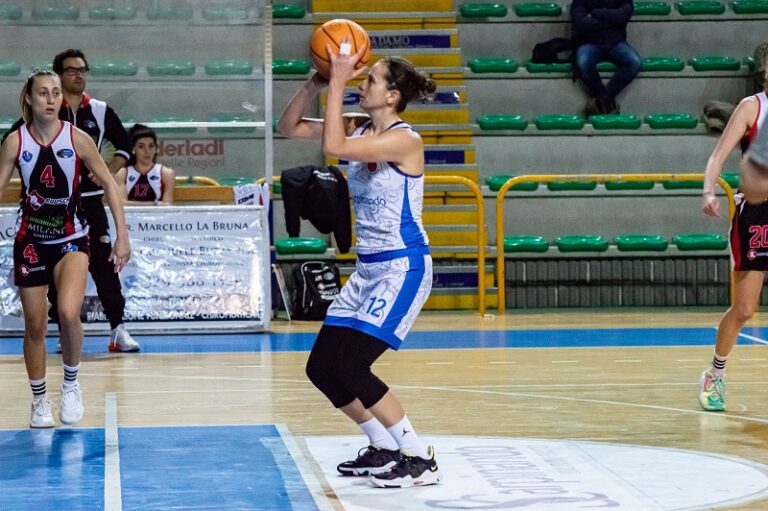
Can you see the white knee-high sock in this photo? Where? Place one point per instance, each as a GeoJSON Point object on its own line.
{"type": "Point", "coordinates": [378, 435]}
{"type": "Point", "coordinates": [406, 438]}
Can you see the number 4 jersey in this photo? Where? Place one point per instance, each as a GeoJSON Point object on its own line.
{"type": "Point", "coordinates": [49, 210]}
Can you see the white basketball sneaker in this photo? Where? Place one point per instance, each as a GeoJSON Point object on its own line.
{"type": "Point", "coordinates": [121, 341]}
{"type": "Point", "coordinates": [41, 416]}
{"type": "Point", "coordinates": [71, 404]}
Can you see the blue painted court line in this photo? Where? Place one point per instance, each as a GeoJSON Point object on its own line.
{"type": "Point", "coordinates": [52, 469]}
{"type": "Point", "coordinates": [162, 468]}
{"type": "Point", "coordinates": [491, 339]}
{"type": "Point", "coordinates": [223, 467]}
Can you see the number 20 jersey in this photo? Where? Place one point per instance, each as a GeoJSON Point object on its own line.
{"type": "Point", "coordinates": [49, 210]}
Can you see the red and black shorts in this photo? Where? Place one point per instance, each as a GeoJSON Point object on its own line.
{"type": "Point", "coordinates": [749, 237]}
{"type": "Point", "coordinates": [33, 262]}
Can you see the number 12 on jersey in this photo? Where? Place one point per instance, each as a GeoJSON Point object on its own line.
{"type": "Point", "coordinates": [376, 306]}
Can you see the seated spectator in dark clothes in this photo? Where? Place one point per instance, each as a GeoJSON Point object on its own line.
{"type": "Point", "coordinates": [599, 35]}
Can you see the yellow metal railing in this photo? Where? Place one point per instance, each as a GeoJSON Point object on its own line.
{"type": "Point", "coordinates": [599, 178]}
{"type": "Point", "coordinates": [478, 196]}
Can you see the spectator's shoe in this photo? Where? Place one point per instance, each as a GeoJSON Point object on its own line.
{"type": "Point", "coordinates": [591, 108]}
{"type": "Point", "coordinates": [41, 416]}
{"type": "Point", "coordinates": [370, 460]}
{"type": "Point", "coordinates": [711, 392]}
{"type": "Point", "coordinates": [411, 471]}
{"type": "Point", "coordinates": [121, 341]}
{"type": "Point", "coordinates": [71, 404]}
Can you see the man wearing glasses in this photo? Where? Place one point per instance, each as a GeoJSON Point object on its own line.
{"type": "Point", "coordinates": [99, 121]}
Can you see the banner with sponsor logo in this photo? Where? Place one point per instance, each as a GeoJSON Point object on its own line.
{"type": "Point", "coordinates": [192, 268]}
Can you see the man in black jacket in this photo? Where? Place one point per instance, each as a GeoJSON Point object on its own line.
{"type": "Point", "coordinates": [99, 121]}
{"type": "Point", "coordinates": [600, 34]}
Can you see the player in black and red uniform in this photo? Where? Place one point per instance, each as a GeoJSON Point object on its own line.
{"type": "Point", "coordinates": [749, 242]}
{"type": "Point", "coordinates": [144, 181]}
{"type": "Point", "coordinates": [51, 244]}
{"type": "Point", "coordinates": [98, 120]}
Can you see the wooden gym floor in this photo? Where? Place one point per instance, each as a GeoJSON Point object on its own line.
{"type": "Point", "coordinates": [544, 411]}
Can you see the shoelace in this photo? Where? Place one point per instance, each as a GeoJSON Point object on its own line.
{"type": "Point", "coordinates": [719, 386]}
{"type": "Point", "coordinates": [42, 408]}
{"type": "Point", "coordinates": [70, 393]}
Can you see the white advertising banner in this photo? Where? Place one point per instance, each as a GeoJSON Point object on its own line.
{"type": "Point", "coordinates": [192, 268]}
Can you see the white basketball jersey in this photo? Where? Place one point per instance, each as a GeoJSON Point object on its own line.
{"type": "Point", "coordinates": [762, 113]}
{"type": "Point", "coordinates": [387, 204]}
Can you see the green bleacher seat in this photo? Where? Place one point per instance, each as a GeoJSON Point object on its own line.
{"type": "Point", "coordinates": [493, 65]}
{"type": "Point", "coordinates": [496, 182]}
{"type": "Point", "coordinates": [671, 121]}
{"type": "Point", "coordinates": [282, 11]}
{"type": "Point", "coordinates": [277, 188]}
{"type": "Point", "coordinates": [683, 184]}
{"type": "Point", "coordinates": [750, 6]}
{"type": "Point", "coordinates": [56, 12]}
{"type": "Point", "coordinates": [700, 241]}
{"type": "Point", "coordinates": [228, 67]}
{"type": "Point", "coordinates": [653, 64]}
{"type": "Point", "coordinates": [114, 68]}
{"type": "Point", "coordinates": [112, 12]}
{"type": "Point", "coordinates": [750, 63]}
{"type": "Point", "coordinates": [172, 10]}
{"type": "Point", "coordinates": [10, 12]}
{"type": "Point", "coordinates": [235, 180]}
{"type": "Point", "coordinates": [715, 63]}
{"type": "Point", "coordinates": [560, 67]}
{"type": "Point", "coordinates": [173, 118]}
{"type": "Point", "coordinates": [542, 9]}
{"type": "Point", "coordinates": [525, 243]}
{"type": "Point", "coordinates": [9, 68]}
{"type": "Point", "coordinates": [645, 242]}
{"type": "Point", "coordinates": [605, 67]}
{"type": "Point", "coordinates": [615, 122]}
{"type": "Point", "coordinates": [559, 122]}
{"type": "Point", "coordinates": [225, 12]}
{"type": "Point", "coordinates": [233, 129]}
{"type": "Point", "coordinates": [571, 186]}
{"type": "Point", "coordinates": [290, 66]}
{"type": "Point", "coordinates": [171, 68]}
{"type": "Point", "coordinates": [484, 10]}
{"type": "Point", "coordinates": [652, 9]}
{"type": "Point", "coordinates": [581, 243]}
{"type": "Point", "coordinates": [732, 178]}
{"type": "Point", "coordinates": [6, 120]}
{"type": "Point", "coordinates": [700, 7]}
{"type": "Point", "coordinates": [287, 246]}
{"type": "Point", "coordinates": [502, 122]}
{"type": "Point", "coordinates": [629, 185]}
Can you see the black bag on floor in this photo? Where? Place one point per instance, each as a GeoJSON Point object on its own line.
{"type": "Point", "coordinates": [317, 284]}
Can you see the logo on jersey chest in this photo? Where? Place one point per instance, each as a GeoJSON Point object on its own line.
{"type": "Point", "coordinates": [65, 153]}
{"type": "Point", "coordinates": [26, 156]}
{"type": "Point", "coordinates": [89, 124]}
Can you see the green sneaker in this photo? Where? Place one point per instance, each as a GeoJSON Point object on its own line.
{"type": "Point", "coordinates": [711, 392]}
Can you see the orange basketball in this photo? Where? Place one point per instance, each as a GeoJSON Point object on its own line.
{"type": "Point", "coordinates": [332, 33]}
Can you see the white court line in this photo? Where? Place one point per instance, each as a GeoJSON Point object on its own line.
{"type": "Point", "coordinates": [307, 475]}
{"type": "Point", "coordinates": [113, 494]}
{"type": "Point", "coordinates": [592, 401]}
{"type": "Point", "coordinates": [753, 338]}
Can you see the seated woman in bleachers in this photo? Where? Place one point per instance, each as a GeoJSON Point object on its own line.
{"type": "Point", "coordinates": [144, 181]}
